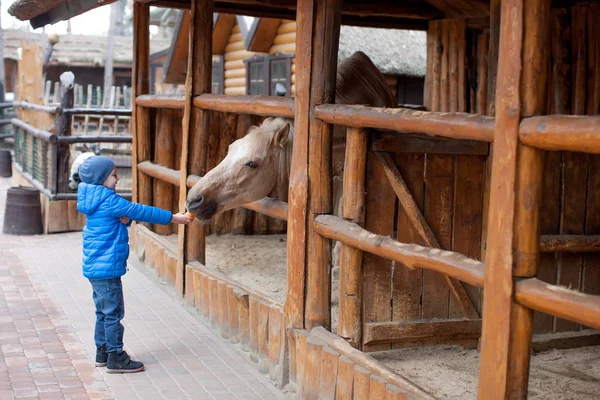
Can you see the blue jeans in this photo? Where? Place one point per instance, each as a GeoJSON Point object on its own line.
{"type": "Point", "coordinates": [110, 310]}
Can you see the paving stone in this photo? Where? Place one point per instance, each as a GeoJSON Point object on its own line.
{"type": "Point", "coordinates": [46, 333]}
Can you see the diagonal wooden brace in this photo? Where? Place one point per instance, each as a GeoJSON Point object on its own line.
{"type": "Point", "coordinates": [424, 231]}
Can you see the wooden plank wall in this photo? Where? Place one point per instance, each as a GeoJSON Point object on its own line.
{"type": "Point", "coordinates": [571, 184]}
{"type": "Point", "coordinates": [448, 188]}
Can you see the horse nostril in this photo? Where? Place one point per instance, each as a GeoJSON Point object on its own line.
{"type": "Point", "coordinates": [196, 203]}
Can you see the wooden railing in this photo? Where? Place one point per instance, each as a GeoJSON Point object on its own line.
{"type": "Point", "coordinates": [37, 151]}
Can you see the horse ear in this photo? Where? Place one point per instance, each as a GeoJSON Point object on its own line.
{"type": "Point", "coordinates": [282, 135]}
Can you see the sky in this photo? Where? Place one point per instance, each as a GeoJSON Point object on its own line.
{"type": "Point", "coordinates": [93, 22]}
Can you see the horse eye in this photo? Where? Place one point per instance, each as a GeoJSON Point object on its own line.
{"type": "Point", "coordinates": [251, 164]}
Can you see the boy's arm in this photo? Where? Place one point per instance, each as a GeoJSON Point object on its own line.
{"type": "Point", "coordinates": [119, 207]}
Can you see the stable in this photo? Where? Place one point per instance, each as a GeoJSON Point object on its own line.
{"type": "Point", "coordinates": [472, 219]}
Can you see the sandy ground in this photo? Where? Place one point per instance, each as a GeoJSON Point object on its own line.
{"type": "Point", "coordinates": [451, 372]}
{"type": "Point", "coordinates": [448, 372]}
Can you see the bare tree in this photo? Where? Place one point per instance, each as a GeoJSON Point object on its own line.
{"type": "Point", "coordinates": [117, 11]}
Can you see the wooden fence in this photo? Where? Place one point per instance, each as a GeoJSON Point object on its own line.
{"type": "Point", "coordinates": [508, 189]}
{"type": "Point", "coordinates": [88, 97]}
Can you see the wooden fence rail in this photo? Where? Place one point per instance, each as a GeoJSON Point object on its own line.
{"type": "Point", "coordinates": [267, 106]}
{"type": "Point", "coordinates": [450, 263]}
{"type": "Point", "coordinates": [450, 125]}
{"type": "Point", "coordinates": [160, 101]}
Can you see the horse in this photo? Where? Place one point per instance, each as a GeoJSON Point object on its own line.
{"type": "Point", "coordinates": [256, 162]}
{"type": "Point", "coordinates": [251, 167]}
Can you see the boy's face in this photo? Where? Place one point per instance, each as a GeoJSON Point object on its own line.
{"type": "Point", "coordinates": [111, 181]}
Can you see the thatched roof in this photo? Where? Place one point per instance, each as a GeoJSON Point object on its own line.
{"type": "Point", "coordinates": [81, 50]}
{"type": "Point", "coordinates": [394, 52]}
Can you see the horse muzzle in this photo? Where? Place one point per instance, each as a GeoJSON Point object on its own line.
{"type": "Point", "coordinates": [203, 210]}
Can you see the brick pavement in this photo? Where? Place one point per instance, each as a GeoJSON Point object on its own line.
{"type": "Point", "coordinates": [46, 333]}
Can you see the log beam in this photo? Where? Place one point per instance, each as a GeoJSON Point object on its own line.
{"type": "Point", "coordinates": [418, 330]}
{"type": "Point", "coordinates": [191, 239]}
{"type": "Point", "coordinates": [160, 101]}
{"type": "Point", "coordinates": [140, 80]}
{"type": "Point", "coordinates": [160, 172]}
{"type": "Point", "coordinates": [405, 120]}
{"type": "Point", "coordinates": [570, 243]}
{"type": "Point", "coordinates": [267, 106]}
{"type": "Point", "coordinates": [325, 33]}
{"type": "Point", "coordinates": [562, 132]}
{"type": "Point", "coordinates": [351, 259]}
{"type": "Point", "coordinates": [411, 255]}
{"type": "Point", "coordinates": [559, 301]}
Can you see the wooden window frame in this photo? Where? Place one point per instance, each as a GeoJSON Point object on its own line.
{"type": "Point", "coordinates": [266, 60]}
{"type": "Point", "coordinates": [218, 67]}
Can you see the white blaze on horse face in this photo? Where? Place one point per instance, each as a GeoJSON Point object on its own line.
{"type": "Point", "coordinates": [248, 173]}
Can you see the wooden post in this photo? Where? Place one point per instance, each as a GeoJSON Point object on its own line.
{"type": "Point", "coordinates": [88, 104]}
{"type": "Point", "coordinates": [513, 233]}
{"type": "Point", "coordinates": [197, 122]}
{"type": "Point", "coordinates": [191, 240]}
{"type": "Point", "coordinates": [164, 154]}
{"type": "Point", "coordinates": [141, 84]}
{"type": "Point", "coordinates": [63, 128]}
{"type": "Point", "coordinates": [528, 190]}
{"type": "Point", "coordinates": [325, 36]}
{"type": "Point", "coordinates": [353, 209]}
{"type": "Point", "coordinates": [318, 25]}
{"type": "Point", "coordinates": [498, 284]}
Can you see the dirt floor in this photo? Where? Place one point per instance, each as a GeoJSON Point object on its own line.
{"type": "Point", "coordinates": [448, 372]}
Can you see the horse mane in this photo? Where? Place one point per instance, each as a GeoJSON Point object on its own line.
{"type": "Point", "coordinates": [359, 82]}
{"type": "Point", "coordinates": [285, 158]}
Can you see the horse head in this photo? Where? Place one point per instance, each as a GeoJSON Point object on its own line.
{"type": "Point", "coordinates": [248, 173]}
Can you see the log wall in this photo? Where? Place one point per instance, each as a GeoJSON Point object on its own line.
{"type": "Point", "coordinates": [450, 189]}
{"type": "Point", "coordinates": [571, 181]}
{"type": "Point", "coordinates": [235, 68]}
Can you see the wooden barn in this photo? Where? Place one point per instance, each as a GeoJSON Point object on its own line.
{"type": "Point", "coordinates": [472, 220]}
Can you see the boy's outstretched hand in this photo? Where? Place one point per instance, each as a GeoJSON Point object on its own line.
{"type": "Point", "coordinates": [181, 218]}
{"type": "Point", "coordinates": [124, 220]}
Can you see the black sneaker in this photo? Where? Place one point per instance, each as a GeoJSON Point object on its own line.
{"type": "Point", "coordinates": [120, 363]}
{"type": "Point", "coordinates": [101, 356]}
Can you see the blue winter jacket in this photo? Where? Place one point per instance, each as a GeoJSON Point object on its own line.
{"type": "Point", "coordinates": [105, 237]}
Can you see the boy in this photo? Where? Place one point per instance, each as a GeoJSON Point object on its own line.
{"type": "Point", "coordinates": [105, 252]}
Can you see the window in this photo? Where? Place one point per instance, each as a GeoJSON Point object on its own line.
{"type": "Point", "coordinates": [269, 75]}
{"type": "Point", "coordinates": [218, 75]}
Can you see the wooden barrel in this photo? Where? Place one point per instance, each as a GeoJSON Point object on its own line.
{"type": "Point", "coordinates": [23, 213]}
{"type": "Point", "coordinates": [5, 164]}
